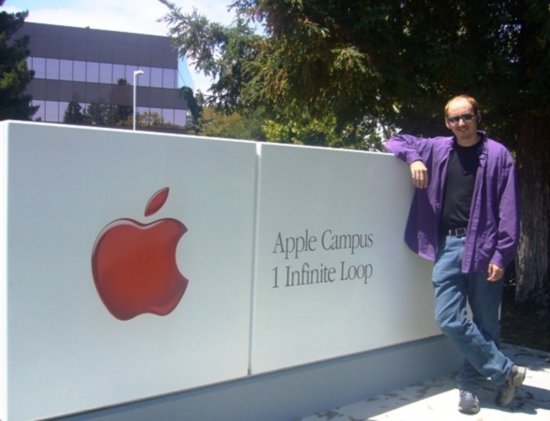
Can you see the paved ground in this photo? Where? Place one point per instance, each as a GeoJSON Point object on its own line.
{"type": "Point", "coordinates": [437, 399]}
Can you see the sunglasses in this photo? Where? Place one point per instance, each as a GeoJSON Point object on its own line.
{"type": "Point", "coordinates": [457, 118]}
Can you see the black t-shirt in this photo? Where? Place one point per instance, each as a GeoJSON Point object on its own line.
{"type": "Point", "coordinates": [459, 187]}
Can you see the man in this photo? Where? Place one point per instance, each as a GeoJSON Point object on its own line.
{"type": "Point", "coordinates": [464, 216]}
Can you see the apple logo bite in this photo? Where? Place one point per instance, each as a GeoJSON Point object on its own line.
{"type": "Point", "coordinates": [134, 265]}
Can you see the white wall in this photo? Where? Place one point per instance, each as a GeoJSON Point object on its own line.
{"type": "Point", "coordinates": [244, 205]}
{"type": "Point", "coordinates": [333, 275]}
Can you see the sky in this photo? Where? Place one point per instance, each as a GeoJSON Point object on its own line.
{"type": "Point", "coordinates": [137, 16]}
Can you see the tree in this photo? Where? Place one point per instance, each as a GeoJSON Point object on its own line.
{"type": "Point", "coordinates": [73, 114]}
{"type": "Point", "coordinates": [232, 125]}
{"type": "Point", "coordinates": [195, 107]}
{"type": "Point", "coordinates": [117, 115]}
{"type": "Point", "coordinates": [227, 54]}
{"type": "Point", "coordinates": [119, 112]}
{"type": "Point", "coordinates": [395, 63]}
{"type": "Point", "coordinates": [150, 119]}
{"type": "Point", "coordinates": [220, 52]}
{"type": "Point", "coordinates": [96, 114]}
{"type": "Point", "coordinates": [14, 74]}
{"type": "Point", "coordinates": [298, 126]}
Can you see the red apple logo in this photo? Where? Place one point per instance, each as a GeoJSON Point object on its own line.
{"type": "Point", "coordinates": [134, 265]}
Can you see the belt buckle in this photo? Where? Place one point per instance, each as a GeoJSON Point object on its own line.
{"type": "Point", "coordinates": [460, 232]}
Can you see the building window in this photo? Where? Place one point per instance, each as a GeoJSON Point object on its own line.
{"type": "Point", "coordinates": [79, 71]}
{"type": "Point", "coordinates": [169, 78]}
{"type": "Point", "coordinates": [157, 112]}
{"type": "Point", "coordinates": [38, 64]}
{"type": "Point", "coordinates": [108, 75]}
{"type": "Point", "coordinates": [62, 109]}
{"type": "Point", "coordinates": [92, 72]}
{"type": "Point", "coordinates": [118, 73]}
{"type": "Point", "coordinates": [51, 111]}
{"type": "Point", "coordinates": [130, 74]}
{"type": "Point", "coordinates": [52, 68]}
{"type": "Point", "coordinates": [156, 77]}
{"type": "Point", "coordinates": [105, 73]}
{"type": "Point", "coordinates": [168, 115]}
{"type": "Point", "coordinates": [179, 117]}
{"type": "Point", "coordinates": [65, 70]}
{"type": "Point", "coordinates": [40, 114]}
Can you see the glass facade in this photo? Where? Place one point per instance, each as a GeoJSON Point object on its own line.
{"type": "Point", "coordinates": [97, 67]}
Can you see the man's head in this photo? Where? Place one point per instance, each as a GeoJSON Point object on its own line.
{"type": "Point", "coordinates": [461, 117]}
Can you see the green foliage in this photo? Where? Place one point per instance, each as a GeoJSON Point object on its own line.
{"type": "Point", "coordinates": [119, 114]}
{"type": "Point", "coordinates": [218, 51]}
{"type": "Point", "coordinates": [73, 114]}
{"type": "Point", "coordinates": [195, 107]}
{"type": "Point", "coordinates": [343, 73]}
{"type": "Point", "coordinates": [231, 125]}
{"type": "Point", "coordinates": [394, 62]}
{"type": "Point", "coordinates": [14, 74]}
{"type": "Point", "coordinates": [304, 129]}
{"type": "Point", "coordinates": [152, 120]}
{"type": "Point", "coordinates": [233, 57]}
{"type": "Point", "coordinates": [101, 114]}
{"type": "Point", "coordinates": [96, 114]}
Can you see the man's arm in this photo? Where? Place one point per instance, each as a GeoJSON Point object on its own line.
{"type": "Point", "coordinates": [406, 148]}
{"type": "Point", "coordinates": [508, 227]}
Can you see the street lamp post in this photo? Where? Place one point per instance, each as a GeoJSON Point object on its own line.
{"type": "Point", "coordinates": [136, 74]}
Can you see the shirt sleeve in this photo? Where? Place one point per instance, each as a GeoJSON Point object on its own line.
{"type": "Point", "coordinates": [509, 216]}
{"type": "Point", "coordinates": [405, 147]}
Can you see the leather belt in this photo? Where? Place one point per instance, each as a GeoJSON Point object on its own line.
{"type": "Point", "coordinates": [457, 232]}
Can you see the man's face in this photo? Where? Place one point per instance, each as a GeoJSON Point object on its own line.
{"type": "Point", "coordinates": [462, 120]}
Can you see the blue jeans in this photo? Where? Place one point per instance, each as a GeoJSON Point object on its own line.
{"type": "Point", "coordinates": [476, 338]}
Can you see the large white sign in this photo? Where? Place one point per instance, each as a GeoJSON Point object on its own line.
{"type": "Point", "coordinates": [128, 270]}
{"type": "Point", "coordinates": [137, 264]}
{"type": "Point", "coordinates": [333, 275]}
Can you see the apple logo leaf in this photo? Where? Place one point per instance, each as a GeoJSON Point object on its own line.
{"type": "Point", "coordinates": [156, 201]}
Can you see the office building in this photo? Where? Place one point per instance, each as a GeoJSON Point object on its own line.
{"type": "Point", "coordinates": [96, 67]}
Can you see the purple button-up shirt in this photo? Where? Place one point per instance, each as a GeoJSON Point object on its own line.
{"type": "Point", "coordinates": [493, 229]}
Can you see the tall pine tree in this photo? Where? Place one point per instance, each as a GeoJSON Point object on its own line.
{"type": "Point", "coordinates": [14, 74]}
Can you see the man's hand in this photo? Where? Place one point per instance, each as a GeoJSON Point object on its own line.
{"type": "Point", "coordinates": [495, 272]}
{"type": "Point", "coordinates": [419, 174]}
